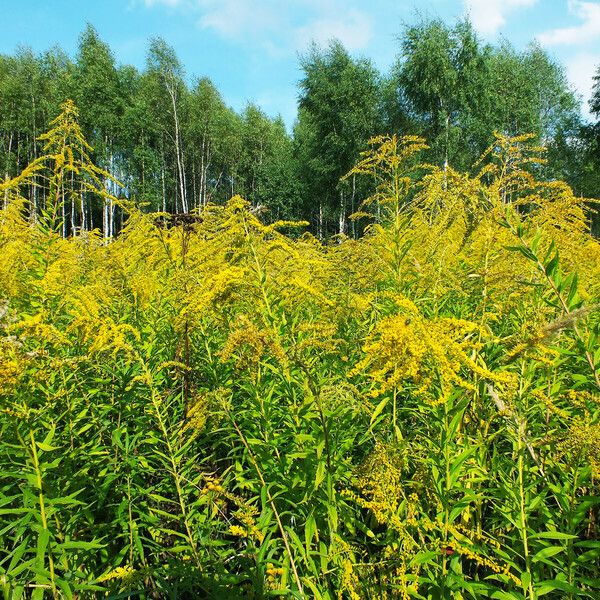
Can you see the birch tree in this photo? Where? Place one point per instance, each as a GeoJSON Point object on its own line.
{"type": "Point", "coordinates": [338, 113]}
{"type": "Point", "coordinates": [100, 102]}
{"type": "Point", "coordinates": [164, 66]}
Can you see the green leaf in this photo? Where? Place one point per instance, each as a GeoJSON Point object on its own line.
{"type": "Point", "coordinates": [572, 298]}
{"type": "Point", "coordinates": [320, 475]}
{"type": "Point", "coordinates": [38, 593]}
{"type": "Point", "coordinates": [333, 516]}
{"type": "Point", "coordinates": [379, 409]}
{"type": "Point", "coordinates": [79, 545]}
{"type": "Point", "coordinates": [42, 544]}
{"type": "Point", "coordinates": [550, 266]}
{"type": "Point", "coordinates": [456, 466]}
{"type": "Point", "coordinates": [424, 557]}
{"type": "Point", "coordinates": [45, 447]}
{"type": "Point", "coordinates": [547, 553]}
{"type": "Point", "coordinates": [551, 585]}
{"type": "Point", "coordinates": [65, 588]}
{"type": "Point", "coordinates": [48, 439]}
{"type": "Point", "coordinates": [310, 531]}
{"type": "Point", "coordinates": [553, 535]}
{"type": "Point", "coordinates": [17, 554]}
{"type": "Point", "coordinates": [500, 595]}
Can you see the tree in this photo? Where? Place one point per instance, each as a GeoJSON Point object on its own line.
{"type": "Point", "coordinates": [587, 178]}
{"type": "Point", "coordinates": [211, 133]}
{"type": "Point", "coordinates": [58, 82]}
{"type": "Point", "coordinates": [267, 164]}
{"type": "Point", "coordinates": [141, 135]}
{"type": "Point", "coordinates": [442, 77]}
{"type": "Point", "coordinates": [166, 72]}
{"type": "Point", "coordinates": [101, 105]}
{"type": "Point", "coordinates": [98, 91]}
{"type": "Point", "coordinates": [21, 120]}
{"type": "Point", "coordinates": [531, 93]}
{"type": "Point", "coordinates": [458, 92]}
{"type": "Point", "coordinates": [68, 172]}
{"type": "Point", "coordinates": [338, 113]}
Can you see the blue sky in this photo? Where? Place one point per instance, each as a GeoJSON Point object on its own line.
{"type": "Point", "coordinates": [250, 48]}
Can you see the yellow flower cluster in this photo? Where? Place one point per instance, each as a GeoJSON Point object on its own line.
{"type": "Point", "coordinates": [238, 531]}
{"type": "Point", "coordinates": [248, 344]}
{"type": "Point", "coordinates": [274, 575]}
{"type": "Point", "coordinates": [125, 574]}
{"type": "Point", "coordinates": [380, 480]}
{"type": "Point", "coordinates": [349, 581]}
{"type": "Point", "coordinates": [429, 353]}
{"type": "Point", "coordinates": [197, 413]}
{"type": "Point", "coordinates": [583, 439]}
{"type": "Point", "coordinates": [245, 513]}
{"type": "Point", "coordinates": [483, 561]}
{"type": "Point", "coordinates": [11, 366]}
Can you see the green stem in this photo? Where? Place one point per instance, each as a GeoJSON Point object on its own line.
{"type": "Point", "coordinates": [42, 503]}
{"type": "Point", "coordinates": [174, 467]}
{"type": "Point", "coordinates": [270, 500]}
{"type": "Point", "coordinates": [523, 515]}
{"type": "Point", "coordinates": [446, 446]}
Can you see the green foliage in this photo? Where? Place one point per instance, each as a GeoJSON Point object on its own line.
{"type": "Point", "coordinates": [586, 172]}
{"type": "Point", "coordinates": [338, 113]}
{"type": "Point", "coordinates": [457, 92]}
{"type": "Point", "coordinates": [176, 145]}
{"type": "Point", "coordinates": [204, 407]}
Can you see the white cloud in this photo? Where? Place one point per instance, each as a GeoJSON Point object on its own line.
{"type": "Point", "coordinates": [488, 16]}
{"type": "Point", "coordinates": [234, 18]}
{"type": "Point", "coordinates": [354, 30]}
{"type": "Point", "coordinates": [587, 31]}
{"type": "Point", "coordinates": [581, 69]}
{"type": "Point", "coordinates": [274, 25]}
{"type": "Point", "coordinates": [169, 3]}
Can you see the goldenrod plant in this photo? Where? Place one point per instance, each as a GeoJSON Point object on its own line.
{"type": "Point", "coordinates": [209, 406]}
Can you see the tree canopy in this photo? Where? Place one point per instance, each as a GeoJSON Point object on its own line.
{"type": "Point", "coordinates": [176, 145]}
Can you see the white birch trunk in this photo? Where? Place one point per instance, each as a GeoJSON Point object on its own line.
{"type": "Point", "coordinates": [178, 151]}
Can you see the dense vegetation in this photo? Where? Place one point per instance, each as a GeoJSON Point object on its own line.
{"type": "Point", "coordinates": [206, 407]}
{"type": "Point", "coordinates": [175, 145]}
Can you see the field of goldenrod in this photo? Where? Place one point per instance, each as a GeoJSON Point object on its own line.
{"type": "Point", "coordinates": [206, 407]}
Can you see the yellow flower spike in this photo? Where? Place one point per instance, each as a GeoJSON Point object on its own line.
{"type": "Point", "coordinates": [238, 531]}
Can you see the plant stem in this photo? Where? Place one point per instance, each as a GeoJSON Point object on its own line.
{"type": "Point", "coordinates": [42, 503]}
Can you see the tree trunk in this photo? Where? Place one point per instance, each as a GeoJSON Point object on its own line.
{"type": "Point", "coordinates": [111, 219]}
{"type": "Point", "coordinates": [446, 150]}
{"type": "Point", "coordinates": [82, 208]}
{"type": "Point", "coordinates": [342, 219]}
{"type": "Point", "coordinates": [352, 207]}
{"type": "Point", "coordinates": [34, 203]}
{"type": "Point", "coordinates": [320, 226]}
{"type": "Point", "coordinates": [162, 177]}
{"type": "Point", "coordinates": [178, 151]}
{"type": "Point", "coordinates": [112, 190]}
{"type": "Point", "coordinates": [194, 190]}
{"type": "Point", "coordinates": [202, 190]}
{"type": "Point", "coordinates": [7, 172]}
{"type": "Point", "coordinates": [105, 219]}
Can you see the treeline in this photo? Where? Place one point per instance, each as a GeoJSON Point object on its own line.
{"type": "Point", "coordinates": [176, 146]}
